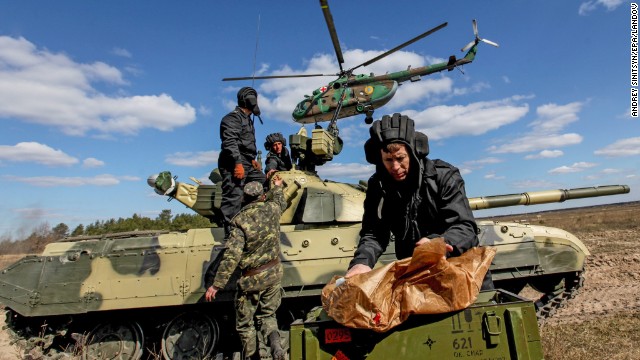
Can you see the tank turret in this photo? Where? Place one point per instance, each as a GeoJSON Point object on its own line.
{"type": "Point", "coordinates": [348, 198]}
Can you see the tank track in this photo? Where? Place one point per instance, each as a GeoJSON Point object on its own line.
{"type": "Point", "coordinates": [567, 289]}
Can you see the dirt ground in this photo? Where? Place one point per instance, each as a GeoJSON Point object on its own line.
{"type": "Point", "coordinates": [611, 288]}
{"type": "Point", "coordinates": [7, 351]}
{"type": "Point", "coordinates": [612, 274]}
{"type": "Point", "coordinates": [603, 320]}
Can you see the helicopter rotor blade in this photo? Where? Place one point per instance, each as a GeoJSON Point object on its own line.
{"type": "Point", "coordinates": [468, 46]}
{"type": "Point", "coordinates": [489, 42]}
{"type": "Point", "coordinates": [477, 38]}
{"type": "Point", "coordinates": [275, 77]}
{"type": "Point", "coordinates": [332, 31]}
{"type": "Point", "coordinates": [427, 33]}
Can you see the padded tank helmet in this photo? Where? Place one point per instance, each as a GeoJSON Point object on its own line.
{"type": "Point", "coordinates": [248, 99]}
{"type": "Point", "coordinates": [273, 138]}
{"type": "Point", "coordinates": [391, 129]}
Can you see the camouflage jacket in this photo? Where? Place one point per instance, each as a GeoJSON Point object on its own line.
{"type": "Point", "coordinates": [254, 241]}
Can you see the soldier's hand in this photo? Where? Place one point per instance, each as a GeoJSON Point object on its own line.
{"type": "Point", "coordinates": [425, 240]}
{"type": "Point", "coordinates": [270, 172]}
{"type": "Point", "coordinates": [256, 165]}
{"type": "Point", "coordinates": [211, 293]}
{"type": "Point", "coordinates": [277, 180]}
{"type": "Point", "coordinates": [238, 172]}
{"type": "Point", "coordinates": [357, 269]}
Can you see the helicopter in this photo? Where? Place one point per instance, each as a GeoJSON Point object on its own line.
{"type": "Point", "coordinates": [353, 94]}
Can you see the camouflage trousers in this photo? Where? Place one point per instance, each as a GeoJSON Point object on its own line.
{"type": "Point", "coordinates": [261, 306]}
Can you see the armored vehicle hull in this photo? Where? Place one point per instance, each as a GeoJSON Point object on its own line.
{"type": "Point", "coordinates": [119, 294]}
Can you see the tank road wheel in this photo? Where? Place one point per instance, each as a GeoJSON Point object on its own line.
{"type": "Point", "coordinates": [548, 284]}
{"type": "Point", "coordinates": [191, 335]}
{"type": "Point", "coordinates": [117, 341]}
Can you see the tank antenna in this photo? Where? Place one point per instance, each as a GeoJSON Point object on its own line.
{"type": "Point", "coordinates": [255, 53]}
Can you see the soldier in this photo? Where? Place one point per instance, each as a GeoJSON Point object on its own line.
{"type": "Point", "coordinates": [254, 247]}
{"type": "Point", "coordinates": [237, 159]}
{"type": "Point", "coordinates": [410, 197]}
{"type": "Point", "coordinates": [278, 158]}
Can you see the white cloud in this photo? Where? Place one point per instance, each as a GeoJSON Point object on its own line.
{"type": "Point", "coordinates": [535, 143]}
{"type": "Point", "coordinates": [493, 176]}
{"type": "Point", "coordinates": [193, 159]}
{"type": "Point", "coordinates": [545, 154]}
{"type": "Point", "coordinates": [533, 185]}
{"type": "Point", "coordinates": [574, 168]}
{"type": "Point", "coordinates": [465, 171]}
{"type": "Point", "coordinates": [92, 163]}
{"type": "Point", "coordinates": [485, 161]}
{"type": "Point", "coordinates": [346, 171]}
{"type": "Point", "coordinates": [204, 110]}
{"type": "Point", "coordinates": [475, 88]}
{"type": "Point", "coordinates": [55, 181]}
{"type": "Point", "coordinates": [545, 133]}
{"type": "Point", "coordinates": [622, 147]}
{"type": "Point", "coordinates": [36, 153]}
{"type": "Point", "coordinates": [553, 118]}
{"type": "Point", "coordinates": [589, 6]}
{"type": "Point", "coordinates": [41, 87]}
{"type": "Point", "coordinates": [444, 121]}
{"type": "Point", "coordinates": [471, 165]}
{"type": "Point", "coordinates": [121, 52]}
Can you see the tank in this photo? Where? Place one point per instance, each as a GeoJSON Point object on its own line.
{"type": "Point", "coordinates": [135, 294]}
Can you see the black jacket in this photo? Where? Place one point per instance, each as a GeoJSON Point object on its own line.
{"type": "Point", "coordinates": [438, 207]}
{"type": "Point", "coordinates": [277, 162]}
{"type": "Point", "coordinates": [238, 139]}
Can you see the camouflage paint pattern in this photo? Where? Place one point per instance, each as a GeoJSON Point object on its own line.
{"type": "Point", "coordinates": [360, 93]}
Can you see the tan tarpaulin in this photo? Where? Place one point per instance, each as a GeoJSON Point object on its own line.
{"type": "Point", "coordinates": [426, 283]}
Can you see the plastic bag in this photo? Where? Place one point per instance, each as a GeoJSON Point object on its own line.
{"type": "Point", "coordinates": [426, 283]}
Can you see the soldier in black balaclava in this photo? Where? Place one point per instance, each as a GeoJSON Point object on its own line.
{"type": "Point", "coordinates": [237, 161]}
{"type": "Point", "coordinates": [278, 158]}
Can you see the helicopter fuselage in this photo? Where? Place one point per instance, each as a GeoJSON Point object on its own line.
{"type": "Point", "coordinates": [361, 94]}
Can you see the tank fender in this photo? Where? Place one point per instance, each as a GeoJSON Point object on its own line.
{"type": "Point", "coordinates": [544, 233]}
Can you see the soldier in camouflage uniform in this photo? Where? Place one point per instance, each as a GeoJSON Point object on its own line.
{"type": "Point", "coordinates": [254, 247]}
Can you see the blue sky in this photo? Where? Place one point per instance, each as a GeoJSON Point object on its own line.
{"type": "Point", "coordinates": [96, 96]}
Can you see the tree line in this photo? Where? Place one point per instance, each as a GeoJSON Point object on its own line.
{"type": "Point", "coordinates": [43, 234]}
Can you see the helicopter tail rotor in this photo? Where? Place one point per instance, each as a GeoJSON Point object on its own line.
{"type": "Point", "coordinates": [477, 38]}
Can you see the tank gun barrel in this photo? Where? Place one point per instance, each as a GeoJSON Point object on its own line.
{"type": "Point", "coordinates": [544, 197]}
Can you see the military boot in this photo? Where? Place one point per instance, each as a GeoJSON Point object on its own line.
{"type": "Point", "coordinates": [254, 356]}
{"type": "Point", "coordinates": [276, 348]}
